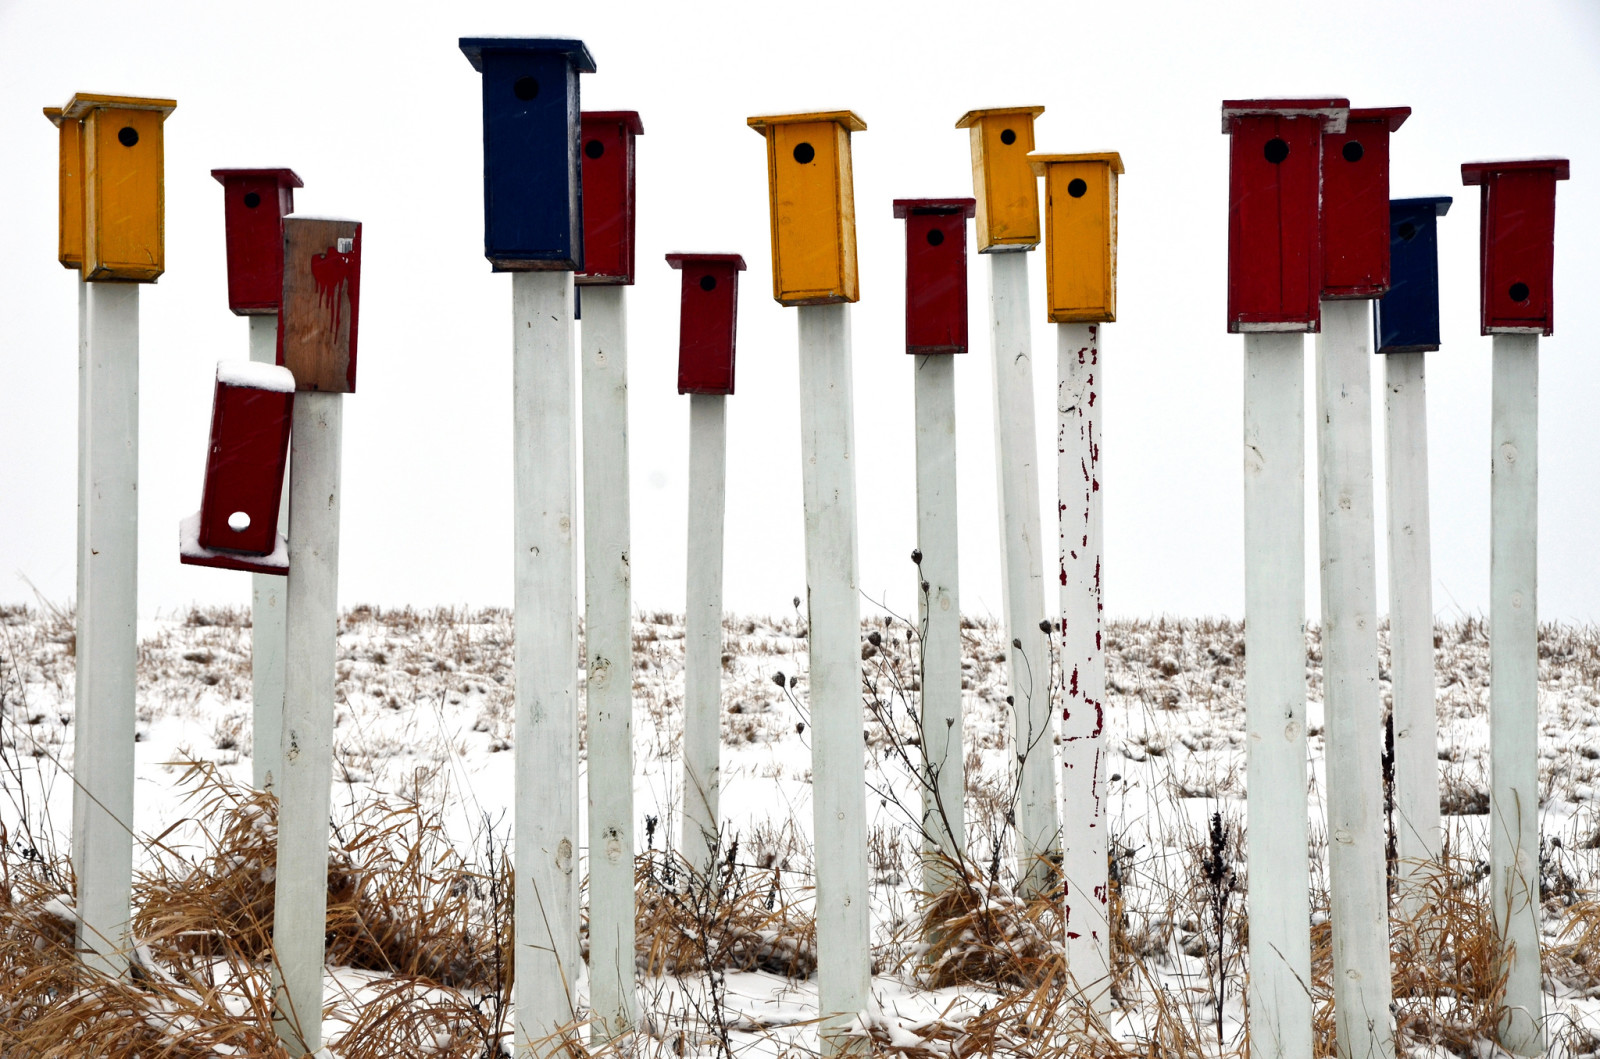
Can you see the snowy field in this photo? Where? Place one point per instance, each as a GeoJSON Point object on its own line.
{"type": "Point", "coordinates": [423, 763]}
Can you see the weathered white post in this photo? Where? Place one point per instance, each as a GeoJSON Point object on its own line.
{"type": "Point", "coordinates": [1408, 328]}
{"type": "Point", "coordinates": [1517, 244]}
{"type": "Point", "coordinates": [533, 228]}
{"type": "Point", "coordinates": [318, 323]}
{"type": "Point", "coordinates": [1274, 283]}
{"type": "Point", "coordinates": [254, 204]}
{"type": "Point", "coordinates": [936, 328]}
{"type": "Point", "coordinates": [1008, 226]}
{"type": "Point", "coordinates": [111, 231]}
{"type": "Point", "coordinates": [814, 267]}
{"type": "Point", "coordinates": [608, 228]}
{"type": "Point", "coordinates": [706, 330]}
{"type": "Point", "coordinates": [1081, 260]}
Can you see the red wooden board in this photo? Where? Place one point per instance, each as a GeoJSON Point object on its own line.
{"type": "Point", "coordinates": [1355, 204]}
{"type": "Point", "coordinates": [936, 273]}
{"type": "Point", "coordinates": [607, 148]}
{"type": "Point", "coordinates": [707, 321]}
{"type": "Point", "coordinates": [255, 201]}
{"type": "Point", "coordinates": [244, 467]}
{"type": "Point", "coordinates": [1516, 240]}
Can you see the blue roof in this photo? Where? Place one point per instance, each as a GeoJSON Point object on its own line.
{"type": "Point", "coordinates": [576, 51]}
{"type": "Point", "coordinates": [1440, 203]}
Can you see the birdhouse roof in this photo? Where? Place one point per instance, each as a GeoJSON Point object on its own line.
{"type": "Point", "coordinates": [907, 207]}
{"type": "Point", "coordinates": [680, 260]}
{"type": "Point", "coordinates": [848, 118]}
{"type": "Point", "coordinates": [1111, 158]}
{"type": "Point", "coordinates": [575, 50]}
{"type": "Point", "coordinates": [1480, 172]}
{"type": "Point", "coordinates": [83, 102]}
{"type": "Point", "coordinates": [1395, 116]}
{"type": "Point", "coordinates": [628, 118]}
{"type": "Point", "coordinates": [284, 177]}
{"type": "Point", "coordinates": [1440, 203]}
{"type": "Point", "coordinates": [1333, 111]}
{"type": "Point", "coordinates": [972, 117]}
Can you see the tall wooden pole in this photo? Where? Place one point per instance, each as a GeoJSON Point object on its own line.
{"type": "Point", "coordinates": [268, 605]}
{"type": "Point", "coordinates": [702, 666]}
{"type": "Point", "coordinates": [608, 637]}
{"type": "Point", "coordinates": [1514, 685]}
{"type": "Point", "coordinates": [1354, 715]}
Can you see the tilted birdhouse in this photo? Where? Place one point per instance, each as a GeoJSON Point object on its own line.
{"type": "Point", "coordinates": [1407, 318]}
{"type": "Point", "coordinates": [1081, 222]}
{"type": "Point", "coordinates": [1516, 243]}
{"type": "Point", "coordinates": [608, 217]}
{"type": "Point", "coordinates": [320, 310]}
{"type": "Point", "coordinates": [1355, 204]}
{"type": "Point", "coordinates": [936, 273]}
{"type": "Point", "coordinates": [251, 416]}
{"type": "Point", "coordinates": [1274, 210]}
{"type": "Point", "coordinates": [1003, 181]}
{"type": "Point", "coordinates": [707, 321]}
{"type": "Point", "coordinates": [111, 164]}
{"type": "Point", "coordinates": [813, 211]}
{"type": "Point", "coordinates": [254, 204]}
{"type": "Point", "coordinates": [532, 184]}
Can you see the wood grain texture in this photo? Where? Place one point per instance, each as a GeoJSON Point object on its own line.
{"type": "Point", "coordinates": [1081, 218]}
{"type": "Point", "coordinates": [1355, 204]}
{"type": "Point", "coordinates": [255, 202]}
{"type": "Point", "coordinates": [124, 195]}
{"type": "Point", "coordinates": [702, 661]}
{"type": "Point", "coordinates": [69, 239]}
{"type": "Point", "coordinates": [1002, 180]}
{"type": "Point", "coordinates": [1516, 243]}
{"type": "Point", "coordinates": [811, 200]}
{"type": "Point", "coordinates": [321, 304]}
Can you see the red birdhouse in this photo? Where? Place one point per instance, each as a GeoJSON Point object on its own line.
{"type": "Point", "coordinates": [706, 322]}
{"type": "Point", "coordinates": [251, 416]}
{"type": "Point", "coordinates": [607, 139]}
{"type": "Point", "coordinates": [255, 202]}
{"type": "Point", "coordinates": [936, 273]}
{"type": "Point", "coordinates": [318, 318]}
{"type": "Point", "coordinates": [1274, 210]}
{"type": "Point", "coordinates": [1516, 243]}
{"type": "Point", "coordinates": [1355, 204]}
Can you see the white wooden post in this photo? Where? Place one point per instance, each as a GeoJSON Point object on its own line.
{"type": "Point", "coordinates": [1280, 1007]}
{"type": "Point", "coordinates": [268, 603]}
{"type": "Point", "coordinates": [1416, 740]}
{"type": "Point", "coordinates": [1514, 685]}
{"type": "Point", "coordinates": [702, 667]}
{"type": "Point", "coordinates": [1022, 555]}
{"type": "Point", "coordinates": [1084, 819]}
{"type": "Point", "coordinates": [608, 637]}
{"type": "Point", "coordinates": [1354, 716]}
{"type": "Point", "coordinates": [544, 438]}
{"type": "Point", "coordinates": [107, 630]}
{"type": "Point", "coordinates": [828, 455]}
{"type": "Point", "coordinates": [304, 781]}
{"type": "Point", "coordinates": [939, 612]}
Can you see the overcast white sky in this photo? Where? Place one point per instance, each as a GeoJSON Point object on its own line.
{"type": "Point", "coordinates": [378, 111]}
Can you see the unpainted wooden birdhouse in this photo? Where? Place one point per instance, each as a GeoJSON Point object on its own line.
{"type": "Point", "coordinates": [321, 305]}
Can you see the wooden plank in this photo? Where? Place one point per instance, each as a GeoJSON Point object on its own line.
{"type": "Point", "coordinates": [702, 664]}
{"type": "Point", "coordinates": [318, 320]}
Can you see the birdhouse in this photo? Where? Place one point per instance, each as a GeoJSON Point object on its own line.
{"type": "Point", "coordinates": [1274, 215]}
{"type": "Point", "coordinates": [1081, 219]}
{"type": "Point", "coordinates": [1002, 179]}
{"type": "Point", "coordinates": [532, 184]}
{"type": "Point", "coordinates": [1516, 243]}
{"type": "Point", "coordinates": [254, 204]}
{"type": "Point", "coordinates": [1407, 318]}
{"type": "Point", "coordinates": [320, 309]}
{"type": "Point", "coordinates": [936, 273]}
{"type": "Point", "coordinates": [813, 206]}
{"type": "Point", "coordinates": [608, 139]}
{"type": "Point", "coordinates": [112, 192]}
{"type": "Point", "coordinates": [1355, 204]}
{"type": "Point", "coordinates": [706, 321]}
{"type": "Point", "coordinates": [251, 416]}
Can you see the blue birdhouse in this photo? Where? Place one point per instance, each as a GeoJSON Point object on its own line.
{"type": "Point", "coordinates": [532, 176]}
{"type": "Point", "coordinates": [1407, 319]}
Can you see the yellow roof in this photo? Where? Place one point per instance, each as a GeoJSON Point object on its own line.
{"type": "Point", "coordinates": [848, 118]}
{"type": "Point", "coordinates": [83, 102]}
{"type": "Point", "coordinates": [971, 117]}
{"type": "Point", "coordinates": [1110, 158]}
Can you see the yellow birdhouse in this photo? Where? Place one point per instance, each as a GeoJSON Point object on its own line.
{"type": "Point", "coordinates": [1002, 182]}
{"type": "Point", "coordinates": [112, 194]}
{"type": "Point", "coordinates": [813, 206]}
{"type": "Point", "coordinates": [1081, 219]}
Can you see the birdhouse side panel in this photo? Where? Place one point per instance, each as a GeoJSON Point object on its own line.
{"type": "Point", "coordinates": [1081, 261]}
{"type": "Point", "coordinates": [608, 205]}
{"type": "Point", "coordinates": [1274, 239]}
{"type": "Point", "coordinates": [244, 468]}
{"type": "Point", "coordinates": [850, 280]}
{"type": "Point", "coordinates": [532, 183]}
{"type": "Point", "coordinates": [936, 283]}
{"type": "Point", "coordinates": [1519, 253]}
{"type": "Point", "coordinates": [70, 229]}
{"type": "Point", "coordinates": [808, 255]}
{"type": "Point", "coordinates": [1008, 200]}
{"type": "Point", "coordinates": [319, 317]}
{"type": "Point", "coordinates": [124, 225]}
{"type": "Point", "coordinates": [706, 337]}
{"type": "Point", "coordinates": [1408, 313]}
{"type": "Point", "coordinates": [1355, 211]}
{"type": "Point", "coordinates": [253, 213]}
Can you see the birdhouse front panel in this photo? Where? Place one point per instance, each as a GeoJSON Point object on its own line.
{"type": "Point", "coordinates": [319, 313]}
{"type": "Point", "coordinates": [608, 196]}
{"type": "Point", "coordinates": [1517, 243]}
{"type": "Point", "coordinates": [707, 321]}
{"type": "Point", "coordinates": [1407, 316]}
{"type": "Point", "coordinates": [123, 188]}
{"type": "Point", "coordinates": [69, 249]}
{"type": "Point", "coordinates": [255, 202]}
{"type": "Point", "coordinates": [936, 273]}
{"type": "Point", "coordinates": [1274, 215]}
{"type": "Point", "coordinates": [812, 201]}
{"type": "Point", "coordinates": [1002, 180]}
{"type": "Point", "coordinates": [532, 180]}
{"type": "Point", "coordinates": [1081, 218]}
{"type": "Point", "coordinates": [251, 417]}
{"type": "Point", "coordinates": [1355, 204]}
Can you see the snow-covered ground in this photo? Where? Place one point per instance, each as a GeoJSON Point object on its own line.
{"type": "Point", "coordinates": [424, 715]}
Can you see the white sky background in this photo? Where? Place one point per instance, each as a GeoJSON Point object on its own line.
{"type": "Point", "coordinates": [376, 108]}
